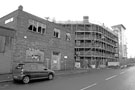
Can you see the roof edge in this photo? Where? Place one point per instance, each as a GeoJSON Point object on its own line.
{"type": "Point", "coordinates": [119, 25]}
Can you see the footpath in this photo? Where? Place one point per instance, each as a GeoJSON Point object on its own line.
{"type": "Point", "coordinates": [8, 77]}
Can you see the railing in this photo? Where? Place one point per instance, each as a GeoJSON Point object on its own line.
{"type": "Point", "coordinates": [100, 47]}
{"type": "Point", "coordinates": [109, 42]}
{"type": "Point", "coordinates": [95, 54]}
{"type": "Point", "coordinates": [96, 31]}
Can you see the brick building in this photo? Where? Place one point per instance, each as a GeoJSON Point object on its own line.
{"type": "Point", "coordinates": [6, 39]}
{"type": "Point", "coordinates": [37, 40]}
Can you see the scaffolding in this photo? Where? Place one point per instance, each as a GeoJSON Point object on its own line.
{"type": "Point", "coordinates": [94, 44]}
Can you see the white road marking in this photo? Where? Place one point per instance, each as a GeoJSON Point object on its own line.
{"type": "Point", "coordinates": [89, 86]}
{"type": "Point", "coordinates": [111, 77]}
{"type": "Point", "coordinates": [122, 72]}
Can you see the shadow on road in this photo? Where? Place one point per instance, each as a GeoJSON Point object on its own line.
{"type": "Point", "coordinates": [32, 81]}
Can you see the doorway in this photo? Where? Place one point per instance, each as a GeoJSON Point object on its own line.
{"type": "Point", "coordinates": [55, 61]}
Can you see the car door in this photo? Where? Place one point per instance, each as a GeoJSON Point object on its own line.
{"type": "Point", "coordinates": [42, 71]}
{"type": "Point", "coordinates": [33, 72]}
{"type": "Point", "coordinates": [45, 73]}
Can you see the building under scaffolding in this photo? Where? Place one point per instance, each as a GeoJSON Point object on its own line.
{"type": "Point", "coordinates": [95, 45]}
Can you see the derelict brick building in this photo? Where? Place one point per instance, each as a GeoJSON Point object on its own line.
{"type": "Point", "coordinates": [37, 40]}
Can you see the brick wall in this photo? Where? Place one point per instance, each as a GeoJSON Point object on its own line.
{"type": "Point", "coordinates": [47, 43]}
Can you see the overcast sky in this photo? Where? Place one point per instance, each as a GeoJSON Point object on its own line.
{"type": "Point", "coordinates": [109, 12]}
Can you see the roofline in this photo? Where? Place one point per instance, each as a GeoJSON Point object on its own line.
{"type": "Point", "coordinates": [108, 29]}
{"type": "Point", "coordinates": [42, 19]}
{"type": "Point", "coordinates": [119, 25]}
{"type": "Point", "coordinates": [7, 28]}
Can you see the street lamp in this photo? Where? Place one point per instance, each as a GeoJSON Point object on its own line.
{"type": "Point", "coordinates": [65, 57]}
{"type": "Point", "coordinates": [25, 37]}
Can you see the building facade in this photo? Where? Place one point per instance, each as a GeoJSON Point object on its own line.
{"type": "Point", "coordinates": [37, 40]}
{"type": "Point", "coordinates": [95, 45]}
{"type": "Point", "coordinates": [120, 30]}
{"type": "Point", "coordinates": [6, 39]}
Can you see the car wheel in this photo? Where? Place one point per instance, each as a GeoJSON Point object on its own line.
{"type": "Point", "coordinates": [26, 79]}
{"type": "Point", "coordinates": [50, 76]}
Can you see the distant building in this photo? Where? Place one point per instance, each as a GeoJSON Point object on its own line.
{"type": "Point", "coordinates": [95, 45]}
{"type": "Point", "coordinates": [120, 30]}
{"type": "Point", "coordinates": [37, 40]}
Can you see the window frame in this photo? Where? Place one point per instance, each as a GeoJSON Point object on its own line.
{"type": "Point", "coordinates": [44, 27]}
{"type": "Point", "coordinates": [35, 25]}
{"type": "Point", "coordinates": [39, 25]}
{"type": "Point", "coordinates": [31, 23]}
{"type": "Point", "coordinates": [56, 33]}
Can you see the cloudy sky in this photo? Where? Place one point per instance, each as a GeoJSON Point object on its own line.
{"type": "Point", "coordinates": [109, 12]}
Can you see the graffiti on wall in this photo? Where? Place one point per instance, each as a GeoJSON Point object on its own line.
{"type": "Point", "coordinates": [34, 55]}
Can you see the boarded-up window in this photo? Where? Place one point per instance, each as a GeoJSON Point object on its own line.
{"type": "Point", "coordinates": [8, 42]}
{"type": "Point", "coordinates": [68, 36]}
{"type": "Point", "coordinates": [2, 44]}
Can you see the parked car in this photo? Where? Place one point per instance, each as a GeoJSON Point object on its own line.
{"type": "Point", "coordinates": [114, 67]}
{"type": "Point", "coordinates": [123, 66]}
{"type": "Point", "coordinates": [30, 71]}
{"type": "Point", "coordinates": [130, 65]}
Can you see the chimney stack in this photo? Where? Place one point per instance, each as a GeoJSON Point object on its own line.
{"type": "Point", "coordinates": [85, 19]}
{"type": "Point", "coordinates": [20, 7]}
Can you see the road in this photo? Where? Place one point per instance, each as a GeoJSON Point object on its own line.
{"type": "Point", "coordinates": [107, 79]}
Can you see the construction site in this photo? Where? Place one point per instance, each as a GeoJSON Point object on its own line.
{"type": "Point", "coordinates": [95, 45]}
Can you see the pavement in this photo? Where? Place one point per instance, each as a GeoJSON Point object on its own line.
{"type": "Point", "coordinates": [8, 77]}
{"type": "Point", "coordinates": [5, 77]}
